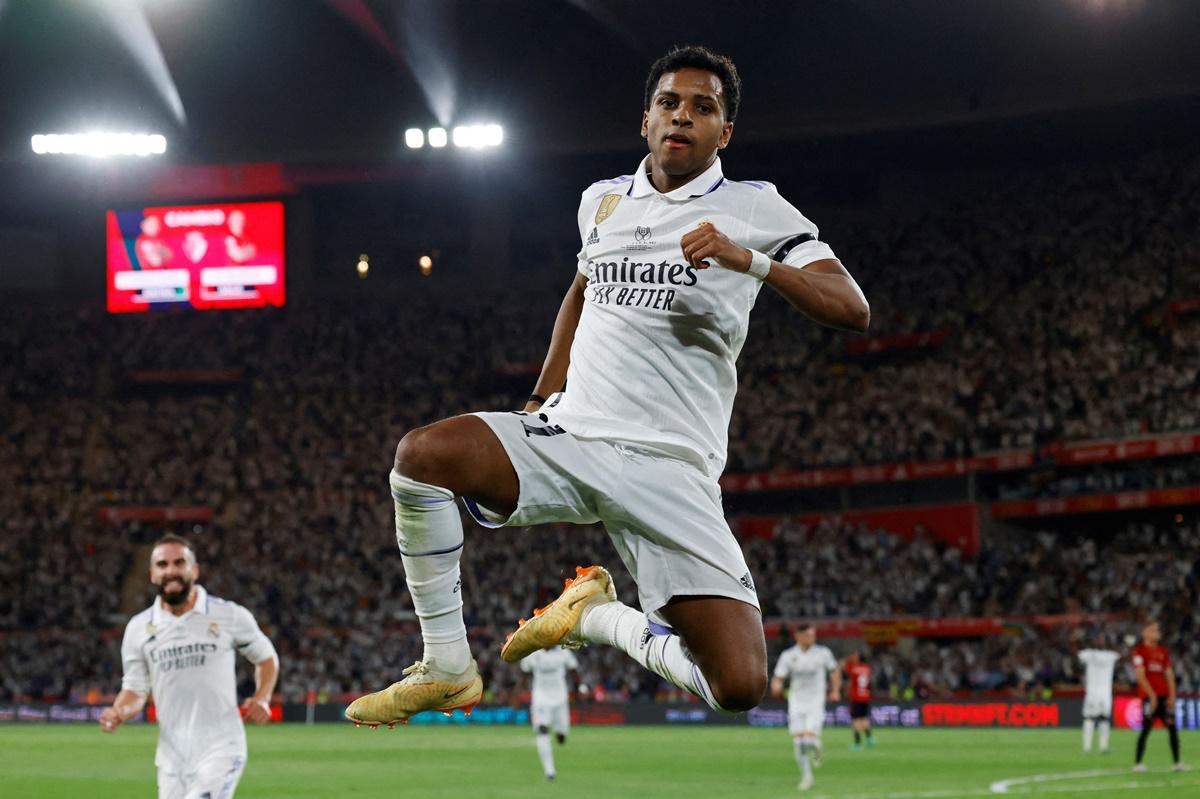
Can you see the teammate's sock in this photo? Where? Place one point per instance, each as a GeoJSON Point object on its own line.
{"type": "Point", "coordinates": [1174, 736]}
{"type": "Point", "coordinates": [562, 739]}
{"type": "Point", "coordinates": [545, 754]}
{"type": "Point", "coordinates": [1089, 728]}
{"type": "Point", "coordinates": [857, 737]}
{"type": "Point", "coordinates": [1105, 728]}
{"type": "Point", "coordinates": [430, 535]}
{"type": "Point", "coordinates": [801, 749]}
{"type": "Point", "coordinates": [652, 645]}
{"type": "Point", "coordinates": [1141, 741]}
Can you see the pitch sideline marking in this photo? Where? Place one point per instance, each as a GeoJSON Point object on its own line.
{"type": "Point", "coordinates": [1002, 786]}
{"type": "Point", "coordinates": [1028, 787]}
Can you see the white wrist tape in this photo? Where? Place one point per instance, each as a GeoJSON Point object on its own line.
{"type": "Point", "coordinates": [760, 265]}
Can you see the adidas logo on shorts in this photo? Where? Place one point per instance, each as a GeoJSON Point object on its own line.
{"type": "Point", "coordinates": [747, 581]}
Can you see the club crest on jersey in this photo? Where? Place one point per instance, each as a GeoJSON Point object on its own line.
{"type": "Point", "coordinates": [608, 204]}
{"type": "Point", "coordinates": [151, 630]}
{"type": "Point", "coordinates": [214, 629]}
{"type": "Point", "coordinates": [643, 239]}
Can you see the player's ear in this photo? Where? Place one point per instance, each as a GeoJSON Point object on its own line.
{"type": "Point", "coordinates": [726, 135]}
{"type": "Point", "coordinates": [645, 123]}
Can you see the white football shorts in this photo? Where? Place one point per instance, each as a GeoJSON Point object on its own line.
{"type": "Point", "coordinates": [806, 718]}
{"type": "Point", "coordinates": [663, 514]}
{"type": "Point", "coordinates": [1096, 707]}
{"type": "Point", "coordinates": [215, 777]}
{"type": "Point", "coordinates": [555, 716]}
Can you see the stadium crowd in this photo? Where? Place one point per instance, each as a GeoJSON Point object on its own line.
{"type": "Point", "coordinates": [1053, 288]}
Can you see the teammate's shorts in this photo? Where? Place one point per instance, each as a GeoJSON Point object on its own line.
{"type": "Point", "coordinates": [663, 514]}
{"type": "Point", "coordinates": [215, 777]}
{"type": "Point", "coordinates": [556, 717]}
{"type": "Point", "coordinates": [1097, 707]}
{"type": "Point", "coordinates": [806, 719]}
{"type": "Point", "coordinates": [1160, 713]}
{"type": "Point", "coordinates": [860, 710]}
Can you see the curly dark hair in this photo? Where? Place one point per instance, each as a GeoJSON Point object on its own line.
{"type": "Point", "coordinates": [698, 57]}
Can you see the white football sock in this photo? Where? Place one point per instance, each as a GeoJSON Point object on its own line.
{"type": "Point", "coordinates": [430, 536]}
{"type": "Point", "coordinates": [1105, 728]}
{"type": "Point", "coordinates": [620, 626]}
{"type": "Point", "coordinates": [803, 759]}
{"type": "Point", "coordinates": [1089, 727]}
{"type": "Point", "coordinates": [545, 754]}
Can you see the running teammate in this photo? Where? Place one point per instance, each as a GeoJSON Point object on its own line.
{"type": "Point", "coordinates": [629, 419]}
{"type": "Point", "coordinates": [1098, 693]}
{"type": "Point", "coordinates": [858, 675]}
{"type": "Point", "coordinates": [813, 676]}
{"type": "Point", "coordinates": [549, 707]}
{"type": "Point", "coordinates": [182, 650]}
{"type": "Point", "coordinates": [1156, 687]}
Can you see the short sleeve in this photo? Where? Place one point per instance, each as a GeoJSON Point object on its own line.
{"type": "Point", "coordinates": [135, 670]}
{"type": "Point", "coordinates": [527, 664]}
{"type": "Point", "coordinates": [831, 663]}
{"type": "Point", "coordinates": [776, 228]}
{"type": "Point", "coordinates": [249, 640]}
{"type": "Point", "coordinates": [1138, 660]}
{"type": "Point", "coordinates": [572, 661]}
{"type": "Point", "coordinates": [1085, 657]}
{"type": "Point", "coordinates": [782, 666]}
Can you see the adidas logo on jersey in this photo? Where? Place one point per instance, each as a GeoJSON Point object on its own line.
{"type": "Point", "coordinates": [593, 237]}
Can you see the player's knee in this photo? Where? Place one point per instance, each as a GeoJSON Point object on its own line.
{"type": "Point", "coordinates": [543, 729]}
{"type": "Point", "coordinates": [419, 456]}
{"type": "Point", "coordinates": [738, 692]}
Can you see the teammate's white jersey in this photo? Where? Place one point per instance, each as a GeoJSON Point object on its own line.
{"type": "Point", "coordinates": [1098, 674]}
{"type": "Point", "coordinates": [653, 358]}
{"type": "Point", "coordinates": [549, 668]}
{"type": "Point", "coordinates": [187, 663]}
{"type": "Point", "coordinates": [807, 671]}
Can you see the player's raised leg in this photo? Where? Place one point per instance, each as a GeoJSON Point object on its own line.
{"type": "Point", "coordinates": [434, 464]}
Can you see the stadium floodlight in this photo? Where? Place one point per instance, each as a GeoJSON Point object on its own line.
{"type": "Point", "coordinates": [437, 137]}
{"type": "Point", "coordinates": [99, 144]}
{"type": "Point", "coordinates": [478, 136]}
{"type": "Point", "coordinates": [414, 138]}
{"type": "Point", "coordinates": [425, 263]}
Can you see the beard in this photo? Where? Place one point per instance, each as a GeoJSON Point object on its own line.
{"type": "Point", "coordinates": [178, 596]}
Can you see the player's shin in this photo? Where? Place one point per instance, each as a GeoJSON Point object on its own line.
{"type": "Point", "coordinates": [1105, 728]}
{"type": "Point", "coordinates": [1089, 728]}
{"type": "Point", "coordinates": [430, 536]}
{"type": "Point", "coordinates": [545, 754]}
{"type": "Point", "coordinates": [656, 647]}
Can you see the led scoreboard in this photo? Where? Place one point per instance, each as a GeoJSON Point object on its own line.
{"type": "Point", "coordinates": [195, 256]}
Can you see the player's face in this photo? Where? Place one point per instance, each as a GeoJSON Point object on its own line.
{"type": "Point", "coordinates": [806, 638]}
{"type": "Point", "coordinates": [173, 571]}
{"type": "Point", "coordinates": [1151, 634]}
{"type": "Point", "coordinates": [237, 223]}
{"type": "Point", "coordinates": [151, 226]}
{"type": "Point", "coordinates": [686, 125]}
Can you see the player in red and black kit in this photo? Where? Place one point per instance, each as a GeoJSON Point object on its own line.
{"type": "Point", "coordinates": [1156, 687]}
{"type": "Point", "coordinates": [858, 673]}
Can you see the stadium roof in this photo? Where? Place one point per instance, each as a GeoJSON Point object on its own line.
{"type": "Point", "coordinates": [340, 80]}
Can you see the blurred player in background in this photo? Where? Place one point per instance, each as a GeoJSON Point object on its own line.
{"type": "Point", "coordinates": [182, 649]}
{"type": "Point", "coordinates": [807, 667]}
{"type": "Point", "coordinates": [549, 707]}
{"type": "Point", "coordinates": [1156, 687]}
{"type": "Point", "coordinates": [1098, 662]}
{"type": "Point", "coordinates": [628, 422]}
{"type": "Point", "coordinates": [858, 676]}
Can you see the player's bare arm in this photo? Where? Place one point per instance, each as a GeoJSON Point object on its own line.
{"type": "Point", "coordinates": [127, 705]}
{"type": "Point", "coordinates": [835, 685]}
{"type": "Point", "coordinates": [824, 291]}
{"type": "Point", "coordinates": [777, 687]}
{"type": "Point", "coordinates": [1170, 688]}
{"type": "Point", "coordinates": [558, 356]}
{"type": "Point", "coordinates": [258, 705]}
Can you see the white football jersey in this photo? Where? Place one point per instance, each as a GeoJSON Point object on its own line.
{"type": "Point", "coordinates": [806, 672]}
{"type": "Point", "coordinates": [653, 358]}
{"type": "Point", "coordinates": [549, 668]}
{"type": "Point", "coordinates": [187, 663]}
{"type": "Point", "coordinates": [1098, 674]}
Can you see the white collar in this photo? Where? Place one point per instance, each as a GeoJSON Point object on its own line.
{"type": "Point", "coordinates": [702, 184]}
{"type": "Point", "coordinates": [160, 612]}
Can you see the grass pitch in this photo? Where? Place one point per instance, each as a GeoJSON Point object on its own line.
{"type": "Point", "coordinates": [644, 762]}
